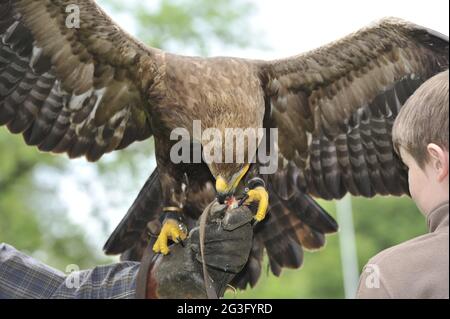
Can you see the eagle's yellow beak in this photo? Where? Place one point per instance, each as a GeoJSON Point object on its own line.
{"type": "Point", "coordinates": [225, 188]}
{"type": "Point", "coordinates": [221, 185]}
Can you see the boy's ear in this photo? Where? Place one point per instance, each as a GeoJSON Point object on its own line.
{"type": "Point", "coordinates": [438, 159]}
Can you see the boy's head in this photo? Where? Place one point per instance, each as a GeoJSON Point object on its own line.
{"type": "Point", "coordinates": [420, 138]}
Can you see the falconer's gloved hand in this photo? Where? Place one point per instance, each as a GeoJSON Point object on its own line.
{"type": "Point", "coordinates": [227, 244]}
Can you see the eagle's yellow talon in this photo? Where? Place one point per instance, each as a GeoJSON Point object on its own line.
{"type": "Point", "coordinates": [170, 230]}
{"type": "Point", "coordinates": [260, 195]}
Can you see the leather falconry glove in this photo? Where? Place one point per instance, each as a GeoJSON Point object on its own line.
{"type": "Point", "coordinates": [228, 236]}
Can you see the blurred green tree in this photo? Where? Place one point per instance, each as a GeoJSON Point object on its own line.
{"type": "Point", "coordinates": [180, 25]}
{"type": "Point", "coordinates": [45, 233]}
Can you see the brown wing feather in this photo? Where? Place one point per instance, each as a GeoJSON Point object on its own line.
{"type": "Point", "coordinates": [147, 207]}
{"type": "Point", "coordinates": [340, 101]}
{"type": "Point", "coordinates": [72, 90]}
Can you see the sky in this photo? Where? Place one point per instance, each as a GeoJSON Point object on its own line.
{"type": "Point", "coordinates": [288, 28]}
{"type": "Point", "coordinates": [291, 27]}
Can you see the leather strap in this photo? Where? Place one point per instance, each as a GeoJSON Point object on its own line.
{"type": "Point", "coordinates": [210, 291]}
{"type": "Point", "coordinates": [143, 273]}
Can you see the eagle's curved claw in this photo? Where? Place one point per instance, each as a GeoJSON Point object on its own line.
{"type": "Point", "coordinates": [170, 230]}
{"type": "Point", "coordinates": [260, 195]}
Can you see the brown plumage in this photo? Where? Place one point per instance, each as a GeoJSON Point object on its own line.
{"type": "Point", "coordinates": [92, 90]}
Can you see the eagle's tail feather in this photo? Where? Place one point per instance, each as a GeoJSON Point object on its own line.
{"type": "Point", "coordinates": [145, 208]}
{"type": "Point", "coordinates": [292, 224]}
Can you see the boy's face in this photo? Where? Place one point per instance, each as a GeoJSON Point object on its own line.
{"type": "Point", "coordinates": [427, 187]}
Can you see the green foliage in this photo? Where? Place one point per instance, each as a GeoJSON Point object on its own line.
{"type": "Point", "coordinates": [196, 25]}
{"type": "Point", "coordinates": [31, 218]}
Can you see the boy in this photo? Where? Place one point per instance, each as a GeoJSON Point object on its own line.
{"type": "Point", "coordinates": [419, 268]}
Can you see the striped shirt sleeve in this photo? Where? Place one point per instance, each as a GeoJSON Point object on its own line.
{"type": "Point", "coordinates": [22, 276]}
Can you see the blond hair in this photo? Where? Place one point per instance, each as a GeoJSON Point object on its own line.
{"type": "Point", "coordinates": [423, 119]}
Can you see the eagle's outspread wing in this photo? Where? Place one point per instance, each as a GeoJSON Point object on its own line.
{"type": "Point", "coordinates": [90, 90]}
{"type": "Point", "coordinates": [335, 107]}
{"type": "Point", "coordinates": [72, 90]}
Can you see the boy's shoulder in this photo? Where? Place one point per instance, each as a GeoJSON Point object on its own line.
{"type": "Point", "coordinates": [427, 244]}
{"type": "Point", "coordinates": [416, 268]}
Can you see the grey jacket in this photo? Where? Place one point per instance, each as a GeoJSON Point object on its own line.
{"type": "Point", "coordinates": [417, 268]}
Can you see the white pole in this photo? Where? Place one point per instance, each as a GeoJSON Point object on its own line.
{"type": "Point", "coordinates": [347, 245]}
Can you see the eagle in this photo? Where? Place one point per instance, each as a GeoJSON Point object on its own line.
{"type": "Point", "coordinates": [92, 89]}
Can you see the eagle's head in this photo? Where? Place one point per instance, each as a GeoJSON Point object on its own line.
{"type": "Point", "coordinates": [229, 154]}
{"type": "Point", "coordinates": [228, 177]}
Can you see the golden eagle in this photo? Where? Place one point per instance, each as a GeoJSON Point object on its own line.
{"type": "Point", "coordinates": [92, 89]}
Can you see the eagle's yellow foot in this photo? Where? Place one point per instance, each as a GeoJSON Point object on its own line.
{"type": "Point", "coordinates": [259, 194]}
{"type": "Point", "coordinates": [172, 230]}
